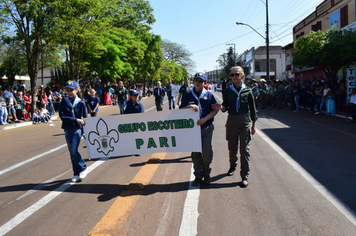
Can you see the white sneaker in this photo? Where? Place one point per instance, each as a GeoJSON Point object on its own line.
{"type": "Point", "coordinates": [316, 113]}
{"type": "Point", "coordinates": [244, 183]}
{"type": "Point", "coordinates": [75, 179]}
{"type": "Point", "coordinates": [83, 174]}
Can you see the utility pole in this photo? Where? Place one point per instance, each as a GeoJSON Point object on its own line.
{"type": "Point", "coordinates": [266, 38]}
{"type": "Point", "coordinates": [234, 52]}
{"type": "Point", "coordinates": [267, 41]}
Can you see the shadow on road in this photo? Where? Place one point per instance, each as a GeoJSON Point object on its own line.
{"type": "Point", "coordinates": [324, 146]}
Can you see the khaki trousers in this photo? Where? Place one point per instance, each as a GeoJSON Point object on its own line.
{"type": "Point", "coordinates": [238, 128]}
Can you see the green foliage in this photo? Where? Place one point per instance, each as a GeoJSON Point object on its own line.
{"type": "Point", "coordinates": [134, 15]}
{"type": "Point", "coordinates": [171, 70]}
{"type": "Point", "coordinates": [329, 50]}
{"type": "Point", "coordinates": [226, 61]}
{"type": "Point", "coordinates": [152, 60]}
{"type": "Point", "coordinates": [178, 53]}
{"type": "Point", "coordinates": [117, 55]}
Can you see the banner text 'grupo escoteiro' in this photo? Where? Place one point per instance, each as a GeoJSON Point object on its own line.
{"type": "Point", "coordinates": [167, 131]}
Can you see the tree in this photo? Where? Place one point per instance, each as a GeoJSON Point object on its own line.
{"type": "Point", "coordinates": [32, 22]}
{"type": "Point", "coordinates": [78, 26]}
{"type": "Point", "coordinates": [152, 61]}
{"type": "Point", "coordinates": [171, 70]}
{"type": "Point", "coordinates": [133, 15]}
{"type": "Point", "coordinates": [12, 59]}
{"type": "Point", "coordinates": [329, 50]}
{"type": "Point", "coordinates": [117, 56]}
{"type": "Point", "coordinates": [179, 54]}
{"type": "Point", "coordinates": [226, 61]}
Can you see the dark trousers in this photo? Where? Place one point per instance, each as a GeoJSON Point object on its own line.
{"type": "Point", "coordinates": [238, 128]}
{"type": "Point", "coordinates": [202, 160]}
{"type": "Point", "coordinates": [159, 105]}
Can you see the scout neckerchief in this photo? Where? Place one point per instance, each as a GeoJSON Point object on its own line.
{"type": "Point", "coordinates": [238, 94]}
{"type": "Point", "coordinates": [76, 101]}
{"type": "Point", "coordinates": [203, 92]}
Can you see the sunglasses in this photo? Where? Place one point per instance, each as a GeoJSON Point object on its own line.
{"type": "Point", "coordinates": [236, 74]}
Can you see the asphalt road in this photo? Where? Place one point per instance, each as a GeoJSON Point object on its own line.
{"type": "Point", "coordinates": [302, 182]}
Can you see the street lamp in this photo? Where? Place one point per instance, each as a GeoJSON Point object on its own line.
{"type": "Point", "coordinates": [266, 38]}
{"type": "Point", "coordinates": [234, 52]}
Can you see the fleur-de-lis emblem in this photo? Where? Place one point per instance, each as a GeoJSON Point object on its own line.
{"type": "Point", "coordinates": [103, 137]}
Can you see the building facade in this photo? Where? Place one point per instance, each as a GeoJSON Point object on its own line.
{"type": "Point", "coordinates": [254, 62]}
{"type": "Point", "coordinates": [330, 14]}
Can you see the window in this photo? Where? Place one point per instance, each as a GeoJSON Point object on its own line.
{"type": "Point", "coordinates": [344, 16]}
{"type": "Point", "coordinates": [260, 66]}
{"type": "Point", "coordinates": [317, 26]}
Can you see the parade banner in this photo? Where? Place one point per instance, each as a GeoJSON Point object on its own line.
{"type": "Point", "coordinates": [141, 133]}
{"type": "Point", "coordinates": [350, 82]}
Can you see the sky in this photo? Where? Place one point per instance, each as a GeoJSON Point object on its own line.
{"type": "Point", "coordinates": [204, 27]}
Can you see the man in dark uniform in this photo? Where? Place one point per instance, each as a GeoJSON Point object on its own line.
{"type": "Point", "coordinates": [184, 89]}
{"type": "Point", "coordinates": [159, 93]}
{"type": "Point", "coordinates": [201, 100]}
{"type": "Point", "coordinates": [239, 101]}
{"type": "Point", "coordinates": [121, 93]}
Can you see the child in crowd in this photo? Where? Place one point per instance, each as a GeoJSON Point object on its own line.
{"type": "Point", "coordinates": [330, 104]}
{"type": "Point", "coordinates": [133, 105]}
{"type": "Point", "coordinates": [93, 103]}
{"type": "Point", "coordinates": [36, 117]}
{"type": "Point", "coordinates": [44, 114]}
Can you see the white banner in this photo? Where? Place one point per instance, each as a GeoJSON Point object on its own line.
{"type": "Point", "coordinates": [140, 133]}
{"type": "Point", "coordinates": [350, 82]}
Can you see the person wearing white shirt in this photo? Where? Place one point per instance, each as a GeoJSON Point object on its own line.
{"type": "Point", "coordinates": [3, 110]}
{"type": "Point", "coordinates": [351, 106]}
{"type": "Point", "coordinates": [11, 102]}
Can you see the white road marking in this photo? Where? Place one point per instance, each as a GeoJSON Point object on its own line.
{"type": "Point", "coordinates": [31, 159]}
{"type": "Point", "coordinates": [37, 187]}
{"type": "Point", "coordinates": [189, 225]}
{"type": "Point", "coordinates": [42, 202]}
{"type": "Point", "coordinates": [332, 198]}
{"type": "Point", "coordinates": [46, 199]}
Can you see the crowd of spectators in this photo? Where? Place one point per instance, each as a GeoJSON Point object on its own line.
{"type": "Point", "coordinates": [316, 96]}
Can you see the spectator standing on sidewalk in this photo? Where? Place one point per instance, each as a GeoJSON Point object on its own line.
{"type": "Point", "coordinates": [3, 109]}
{"type": "Point", "coordinates": [311, 97]}
{"type": "Point", "coordinates": [121, 93]}
{"type": "Point", "coordinates": [296, 94]}
{"type": "Point", "coordinates": [323, 99]}
{"type": "Point", "coordinates": [351, 106]}
{"type": "Point", "coordinates": [202, 100]}
{"type": "Point", "coordinates": [239, 101]}
{"type": "Point", "coordinates": [263, 93]}
{"type": "Point", "coordinates": [10, 103]}
{"type": "Point", "coordinates": [318, 94]}
{"type": "Point", "coordinates": [159, 93]}
{"type": "Point", "coordinates": [330, 104]}
{"type": "Point", "coordinates": [27, 103]}
{"type": "Point", "coordinates": [72, 110]}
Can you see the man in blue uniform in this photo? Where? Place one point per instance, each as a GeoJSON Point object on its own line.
{"type": "Point", "coordinates": [201, 100]}
{"type": "Point", "coordinates": [133, 105]}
